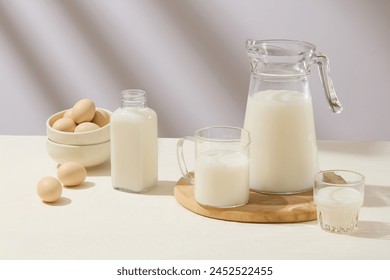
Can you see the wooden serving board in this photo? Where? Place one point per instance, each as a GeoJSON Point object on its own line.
{"type": "Point", "coordinates": [261, 208]}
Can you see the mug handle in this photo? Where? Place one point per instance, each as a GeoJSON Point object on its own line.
{"type": "Point", "coordinates": [189, 177]}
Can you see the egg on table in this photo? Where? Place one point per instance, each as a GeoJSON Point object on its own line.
{"type": "Point", "coordinates": [71, 174]}
{"type": "Point", "coordinates": [49, 189]}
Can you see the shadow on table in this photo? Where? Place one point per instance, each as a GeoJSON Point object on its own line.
{"type": "Point", "coordinates": [63, 201]}
{"type": "Point", "coordinates": [162, 188]}
{"type": "Point", "coordinates": [103, 169]}
{"type": "Point", "coordinates": [85, 185]}
{"type": "Point", "coordinates": [376, 196]}
{"type": "Point", "coordinates": [373, 230]}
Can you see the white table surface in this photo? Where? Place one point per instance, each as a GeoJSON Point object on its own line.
{"type": "Point", "coordinates": [94, 221]}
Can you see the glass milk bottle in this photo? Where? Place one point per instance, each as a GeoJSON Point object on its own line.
{"type": "Point", "coordinates": [133, 144]}
{"type": "Point", "coordinates": [279, 114]}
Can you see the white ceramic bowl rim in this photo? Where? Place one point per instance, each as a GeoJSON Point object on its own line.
{"type": "Point", "coordinates": [49, 123]}
{"type": "Point", "coordinates": [99, 135]}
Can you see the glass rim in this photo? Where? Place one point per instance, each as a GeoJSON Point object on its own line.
{"type": "Point", "coordinates": [361, 179]}
{"type": "Point", "coordinates": [239, 138]}
{"type": "Point", "coordinates": [305, 47]}
{"type": "Point", "coordinates": [132, 93]}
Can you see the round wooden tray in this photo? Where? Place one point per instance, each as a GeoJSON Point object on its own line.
{"type": "Point", "coordinates": [261, 208]}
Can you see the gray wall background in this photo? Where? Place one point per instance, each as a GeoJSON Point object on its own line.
{"type": "Point", "coordinates": [190, 58]}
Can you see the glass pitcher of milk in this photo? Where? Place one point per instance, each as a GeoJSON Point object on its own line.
{"type": "Point", "coordinates": [279, 114]}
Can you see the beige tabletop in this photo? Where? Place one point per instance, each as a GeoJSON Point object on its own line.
{"type": "Point", "coordinates": [94, 221]}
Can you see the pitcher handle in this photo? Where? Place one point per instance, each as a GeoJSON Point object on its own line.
{"type": "Point", "coordinates": [324, 69]}
{"type": "Point", "coordinates": [189, 177]}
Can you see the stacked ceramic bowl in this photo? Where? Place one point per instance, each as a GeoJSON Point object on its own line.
{"type": "Point", "coordinates": [89, 148]}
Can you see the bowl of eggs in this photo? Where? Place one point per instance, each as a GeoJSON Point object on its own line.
{"type": "Point", "coordinates": [80, 134]}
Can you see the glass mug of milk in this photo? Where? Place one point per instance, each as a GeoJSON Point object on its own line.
{"type": "Point", "coordinates": [338, 195]}
{"type": "Point", "coordinates": [221, 176]}
{"type": "Point", "coordinates": [279, 114]}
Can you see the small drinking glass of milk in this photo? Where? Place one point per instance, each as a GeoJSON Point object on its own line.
{"type": "Point", "coordinates": [221, 176]}
{"type": "Point", "coordinates": [338, 195]}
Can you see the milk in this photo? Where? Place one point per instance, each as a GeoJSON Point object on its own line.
{"type": "Point", "coordinates": [134, 149]}
{"type": "Point", "coordinates": [338, 207]}
{"type": "Point", "coordinates": [222, 178]}
{"type": "Point", "coordinates": [283, 149]}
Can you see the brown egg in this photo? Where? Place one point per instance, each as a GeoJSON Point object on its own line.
{"type": "Point", "coordinates": [71, 174]}
{"type": "Point", "coordinates": [83, 111]}
{"type": "Point", "coordinates": [49, 189]}
{"type": "Point", "coordinates": [101, 118]}
{"type": "Point", "coordinates": [64, 124]}
{"type": "Point", "coordinates": [68, 114]}
{"type": "Point", "coordinates": [86, 126]}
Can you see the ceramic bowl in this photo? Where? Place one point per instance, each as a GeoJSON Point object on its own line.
{"type": "Point", "coordinates": [96, 136]}
{"type": "Point", "coordinates": [86, 155]}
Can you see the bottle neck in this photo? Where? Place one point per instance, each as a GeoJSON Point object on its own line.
{"type": "Point", "coordinates": [133, 98]}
